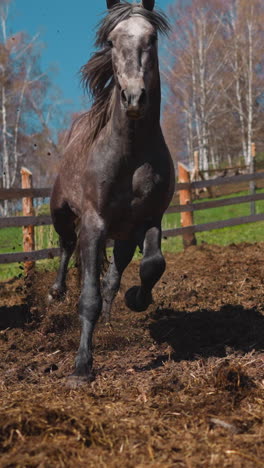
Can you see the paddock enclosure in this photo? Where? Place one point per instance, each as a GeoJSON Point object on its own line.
{"type": "Point", "coordinates": [180, 385]}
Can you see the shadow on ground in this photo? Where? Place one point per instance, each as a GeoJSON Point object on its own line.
{"type": "Point", "coordinates": [13, 317]}
{"type": "Point", "coordinates": [206, 333]}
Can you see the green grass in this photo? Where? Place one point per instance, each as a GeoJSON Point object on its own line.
{"type": "Point", "coordinates": [45, 237]}
{"type": "Point", "coordinates": [11, 241]}
{"type": "Point", "coordinates": [253, 232]}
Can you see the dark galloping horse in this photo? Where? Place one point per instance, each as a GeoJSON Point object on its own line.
{"type": "Point", "coordinates": [116, 178]}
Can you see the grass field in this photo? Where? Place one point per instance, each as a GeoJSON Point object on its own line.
{"type": "Point", "coordinates": [11, 238]}
{"type": "Point", "coordinates": [11, 241]}
{"type": "Point", "coordinates": [253, 232]}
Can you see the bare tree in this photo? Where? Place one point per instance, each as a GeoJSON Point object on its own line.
{"type": "Point", "coordinates": [195, 74]}
{"type": "Point", "coordinates": [213, 67]}
{"type": "Point", "coordinates": [245, 30]}
{"type": "Point", "coordinates": [24, 104]}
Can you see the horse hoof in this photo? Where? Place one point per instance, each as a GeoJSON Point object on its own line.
{"type": "Point", "coordinates": [56, 294]}
{"type": "Point", "coordinates": [105, 319]}
{"type": "Point", "coordinates": [75, 381]}
{"type": "Point", "coordinates": [135, 301]}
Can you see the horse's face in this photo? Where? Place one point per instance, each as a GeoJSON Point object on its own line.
{"type": "Point", "coordinates": [134, 58]}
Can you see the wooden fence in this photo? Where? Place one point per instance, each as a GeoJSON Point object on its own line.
{"type": "Point", "coordinates": [187, 229]}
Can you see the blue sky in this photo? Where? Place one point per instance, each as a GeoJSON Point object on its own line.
{"type": "Point", "coordinates": [67, 29]}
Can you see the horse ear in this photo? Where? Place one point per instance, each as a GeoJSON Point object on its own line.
{"type": "Point", "coordinates": [148, 4]}
{"type": "Point", "coordinates": [111, 3]}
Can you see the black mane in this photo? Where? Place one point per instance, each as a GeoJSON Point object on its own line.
{"type": "Point", "coordinates": [123, 11]}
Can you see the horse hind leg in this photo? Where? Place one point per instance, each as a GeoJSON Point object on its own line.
{"type": "Point", "coordinates": [122, 255]}
{"type": "Point", "coordinates": [63, 220]}
{"type": "Point", "coordinates": [152, 267]}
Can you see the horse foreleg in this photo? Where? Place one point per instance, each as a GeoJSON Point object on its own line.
{"type": "Point", "coordinates": [122, 255]}
{"type": "Point", "coordinates": [152, 267]}
{"type": "Point", "coordinates": [90, 303]}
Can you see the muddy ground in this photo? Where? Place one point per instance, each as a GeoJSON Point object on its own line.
{"type": "Point", "coordinates": [180, 385]}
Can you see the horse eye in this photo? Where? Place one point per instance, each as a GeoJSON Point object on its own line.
{"type": "Point", "coordinates": [153, 40]}
{"type": "Point", "coordinates": [110, 43]}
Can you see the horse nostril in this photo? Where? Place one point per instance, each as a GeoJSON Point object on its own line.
{"type": "Point", "coordinates": [143, 97]}
{"type": "Point", "coordinates": [124, 96]}
{"type": "Point", "coordinates": [133, 99]}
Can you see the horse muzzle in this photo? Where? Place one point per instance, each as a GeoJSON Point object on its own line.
{"type": "Point", "coordinates": [134, 103]}
{"type": "Point", "coordinates": [134, 114]}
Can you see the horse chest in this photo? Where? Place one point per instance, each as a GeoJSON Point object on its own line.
{"type": "Point", "coordinates": [138, 198]}
{"type": "Point", "coordinates": [145, 184]}
{"type": "Point", "coordinates": [138, 189]}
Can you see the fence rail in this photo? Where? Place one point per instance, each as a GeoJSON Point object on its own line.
{"type": "Point", "coordinates": [29, 256]}
{"type": "Point", "coordinates": [220, 181]}
{"type": "Point", "coordinates": [213, 225]}
{"type": "Point", "coordinates": [17, 193]}
{"type": "Point", "coordinates": [22, 221]}
{"type": "Point", "coordinates": [215, 203]}
{"type": "Point", "coordinates": [13, 194]}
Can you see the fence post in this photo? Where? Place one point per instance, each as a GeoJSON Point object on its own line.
{"type": "Point", "coordinates": [186, 198]}
{"type": "Point", "coordinates": [28, 210]}
{"type": "Point", "coordinates": [252, 184]}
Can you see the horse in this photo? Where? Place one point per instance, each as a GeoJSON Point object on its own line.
{"type": "Point", "coordinates": [116, 177]}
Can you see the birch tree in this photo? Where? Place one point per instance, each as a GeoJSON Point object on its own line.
{"type": "Point", "coordinates": [245, 29]}
{"type": "Point", "coordinates": [195, 76]}
{"type": "Point", "coordinates": [213, 67]}
{"type": "Point", "coordinates": [23, 91]}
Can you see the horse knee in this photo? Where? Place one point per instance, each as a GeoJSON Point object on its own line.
{"type": "Point", "coordinates": [151, 269]}
{"type": "Point", "coordinates": [90, 307]}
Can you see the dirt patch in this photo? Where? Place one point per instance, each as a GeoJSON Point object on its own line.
{"type": "Point", "coordinates": [180, 385]}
